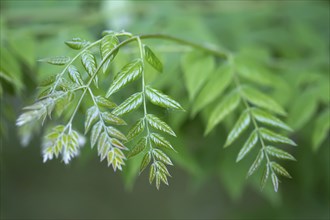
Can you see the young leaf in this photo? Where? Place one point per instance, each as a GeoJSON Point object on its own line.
{"type": "Point", "coordinates": [128, 73]}
{"type": "Point", "coordinates": [162, 168]}
{"type": "Point", "coordinates": [160, 155]}
{"type": "Point", "coordinates": [152, 173]}
{"type": "Point", "coordinates": [280, 170]}
{"type": "Point", "coordinates": [108, 43]}
{"type": "Point", "coordinates": [145, 161]}
{"type": "Point", "coordinates": [156, 97]}
{"type": "Point", "coordinates": [60, 60]}
{"type": "Point", "coordinates": [113, 132]}
{"type": "Point", "coordinates": [265, 177]}
{"type": "Point", "coordinates": [112, 119]}
{"type": "Point", "coordinates": [276, 138]}
{"type": "Point", "coordinates": [269, 119]}
{"type": "Point", "coordinates": [249, 144]}
{"type": "Point", "coordinates": [91, 114]}
{"type": "Point", "coordinates": [138, 148]}
{"type": "Point", "coordinates": [89, 62]}
{"type": "Point", "coordinates": [275, 182]}
{"type": "Point", "coordinates": [228, 104]}
{"type": "Point", "coordinates": [156, 123]}
{"type": "Point", "coordinates": [152, 59]}
{"type": "Point", "coordinates": [101, 101]}
{"type": "Point", "coordinates": [162, 177]}
{"type": "Point", "coordinates": [137, 129]}
{"type": "Point", "coordinates": [75, 75]}
{"type": "Point", "coordinates": [76, 43]}
{"type": "Point", "coordinates": [160, 141]}
{"type": "Point", "coordinates": [241, 124]}
{"type": "Point", "coordinates": [256, 163]}
{"type": "Point", "coordinates": [130, 104]}
{"type": "Point", "coordinates": [118, 144]}
{"type": "Point", "coordinates": [281, 154]}
{"type": "Point", "coordinates": [261, 100]}
{"type": "Point", "coordinates": [96, 131]}
{"type": "Point", "coordinates": [215, 86]}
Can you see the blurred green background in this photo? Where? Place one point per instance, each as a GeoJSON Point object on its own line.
{"type": "Point", "coordinates": [290, 37]}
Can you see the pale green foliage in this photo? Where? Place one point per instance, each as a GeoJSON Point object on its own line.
{"type": "Point", "coordinates": [102, 117]}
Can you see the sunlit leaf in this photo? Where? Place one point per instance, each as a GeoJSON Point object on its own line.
{"type": "Point", "coordinates": [89, 62]}
{"type": "Point", "coordinates": [152, 59]}
{"type": "Point", "coordinates": [112, 119]}
{"type": "Point", "coordinates": [156, 97]}
{"type": "Point", "coordinates": [113, 132]}
{"type": "Point", "coordinates": [75, 75]}
{"type": "Point", "coordinates": [91, 115]}
{"type": "Point", "coordinates": [101, 101]}
{"type": "Point", "coordinates": [281, 154]}
{"type": "Point", "coordinates": [257, 162]}
{"type": "Point", "coordinates": [276, 138]}
{"type": "Point", "coordinates": [241, 124]}
{"type": "Point", "coordinates": [249, 144]}
{"type": "Point", "coordinates": [160, 155]}
{"type": "Point", "coordinates": [76, 43]}
{"type": "Point", "coordinates": [156, 123]}
{"type": "Point", "coordinates": [60, 60]}
{"type": "Point", "coordinates": [280, 170]}
{"type": "Point", "coordinates": [160, 141]}
{"type": "Point", "coordinates": [95, 134]}
{"type": "Point", "coordinates": [269, 119]}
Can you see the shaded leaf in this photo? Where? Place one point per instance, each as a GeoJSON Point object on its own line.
{"type": "Point", "coordinates": [241, 124]}
{"type": "Point", "coordinates": [138, 148]}
{"type": "Point", "coordinates": [145, 161]}
{"type": "Point", "coordinates": [276, 138]}
{"type": "Point", "coordinates": [281, 154]}
{"type": "Point", "coordinates": [130, 104]}
{"type": "Point", "coordinates": [156, 97]}
{"type": "Point", "coordinates": [152, 59]}
{"type": "Point", "coordinates": [225, 107]}
{"type": "Point", "coordinates": [215, 86]}
{"type": "Point", "coordinates": [321, 129]}
{"type": "Point", "coordinates": [137, 129]}
{"type": "Point", "coordinates": [127, 74]}
{"type": "Point", "coordinates": [249, 144]}
{"type": "Point", "coordinates": [156, 123]}
{"type": "Point", "coordinates": [261, 100]}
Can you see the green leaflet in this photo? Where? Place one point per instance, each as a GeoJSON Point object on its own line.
{"type": "Point", "coordinates": [265, 176]}
{"type": "Point", "coordinates": [156, 97]}
{"type": "Point", "coordinates": [152, 173]}
{"type": "Point", "coordinates": [225, 107]}
{"type": "Point", "coordinates": [113, 132]}
{"type": "Point", "coordinates": [197, 67]}
{"type": "Point", "coordinates": [95, 134]}
{"type": "Point", "coordinates": [88, 60]}
{"type": "Point", "coordinates": [160, 141]}
{"type": "Point", "coordinates": [215, 86]}
{"type": "Point", "coordinates": [249, 144]}
{"type": "Point", "coordinates": [303, 108]}
{"type": "Point", "coordinates": [257, 162]}
{"type": "Point", "coordinates": [130, 104]}
{"type": "Point", "coordinates": [48, 81]}
{"type": "Point", "coordinates": [241, 124]}
{"type": "Point", "coordinates": [76, 43]}
{"type": "Point", "coordinates": [160, 155]}
{"type": "Point", "coordinates": [269, 119]}
{"type": "Point", "coordinates": [281, 154]}
{"type": "Point", "coordinates": [158, 124]}
{"type": "Point", "coordinates": [276, 138]}
{"type": "Point", "coordinates": [162, 168]}
{"type": "Point", "coordinates": [145, 161]}
{"type": "Point", "coordinates": [103, 102]}
{"type": "Point", "coordinates": [112, 119]}
{"type": "Point", "coordinates": [91, 115]}
{"type": "Point", "coordinates": [108, 43]}
{"type": "Point", "coordinates": [152, 59]}
{"type": "Point", "coordinates": [137, 129]}
{"type": "Point", "coordinates": [321, 129]}
{"type": "Point", "coordinates": [138, 148]}
{"type": "Point", "coordinates": [118, 144]}
{"type": "Point", "coordinates": [275, 181]}
{"type": "Point", "coordinates": [128, 73]}
{"type": "Point", "coordinates": [60, 60]}
{"type": "Point", "coordinates": [280, 170]}
{"type": "Point", "coordinates": [261, 100]}
{"type": "Point", "coordinates": [75, 75]}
